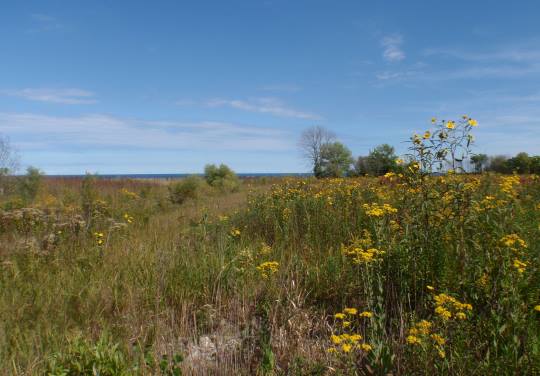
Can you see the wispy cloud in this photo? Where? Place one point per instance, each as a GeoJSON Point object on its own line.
{"type": "Point", "coordinates": [517, 53]}
{"type": "Point", "coordinates": [521, 59]}
{"type": "Point", "coordinates": [104, 131]}
{"type": "Point", "coordinates": [285, 88]}
{"type": "Point", "coordinates": [63, 96]}
{"type": "Point", "coordinates": [272, 106]}
{"type": "Point", "coordinates": [43, 22]}
{"type": "Point", "coordinates": [392, 51]}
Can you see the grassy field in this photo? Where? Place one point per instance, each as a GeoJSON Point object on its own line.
{"type": "Point", "coordinates": [402, 274]}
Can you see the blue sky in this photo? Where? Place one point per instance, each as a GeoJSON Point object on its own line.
{"type": "Point", "coordinates": [168, 86]}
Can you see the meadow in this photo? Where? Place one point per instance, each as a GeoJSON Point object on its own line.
{"type": "Point", "coordinates": [409, 273]}
{"type": "Point", "coordinates": [401, 274]}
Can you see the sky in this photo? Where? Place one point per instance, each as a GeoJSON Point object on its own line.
{"type": "Point", "coordinates": [169, 86]}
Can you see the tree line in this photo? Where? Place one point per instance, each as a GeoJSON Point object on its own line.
{"type": "Point", "coordinates": [331, 158]}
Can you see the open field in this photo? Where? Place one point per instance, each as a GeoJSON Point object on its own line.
{"type": "Point", "coordinates": [393, 275]}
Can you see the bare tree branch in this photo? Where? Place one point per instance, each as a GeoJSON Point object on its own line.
{"type": "Point", "coordinates": [311, 142]}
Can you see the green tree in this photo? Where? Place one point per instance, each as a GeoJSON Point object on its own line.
{"type": "Point", "coordinates": [381, 160]}
{"type": "Point", "coordinates": [520, 163]}
{"type": "Point", "coordinates": [499, 164]}
{"type": "Point", "coordinates": [361, 166]}
{"type": "Point", "coordinates": [479, 162]}
{"type": "Point", "coordinates": [336, 160]}
{"type": "Point", "coordinates": [535, 164]}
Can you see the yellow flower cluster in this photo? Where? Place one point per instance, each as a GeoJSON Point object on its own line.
{"type": "Point", "coordinates": [377, 210]}
{"type": "Point", "coordinates": [447, 307]}
{"type": "Point", "coordinates": [509, 185]}
{"type": "Point", "coordinates": [347, 342]}
{"type": "Point", "coordinates": [513, 241]}
{"type": "Point", "coordinates": [422, 334]}
{"type": "Point", "coordinates": [361, 250]}
{"type": "Point", "coordinates": [266, 269]}
{"type": "Point", "coordinates": [516, 245]}
{"type": "Point", "coordinates": [235, 232]}
{"type": "Point", "coordinates": [99, 238]}
{"type": "Point", "coordinates": [128, 218]}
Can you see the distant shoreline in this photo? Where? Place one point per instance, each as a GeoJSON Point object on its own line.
{"type": "Point", "coordinates": [177, 176]}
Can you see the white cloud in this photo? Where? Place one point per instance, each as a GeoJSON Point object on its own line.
{"type": "Point", "coordinates": [392, 51]}
{"type": "Point", "coordinates": [63, 96]}
{"type": "Point", "coordinates": [271, 106]}
{"type": "Point", "coordinates": [102, 131]}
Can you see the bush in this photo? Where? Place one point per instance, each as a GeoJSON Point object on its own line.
{"type": "Point", "coordinates": [30, 184]}
{"type": "Point", "coordinates": [221, 177]}
{"type": "Point", "coordinates": [188, 188]}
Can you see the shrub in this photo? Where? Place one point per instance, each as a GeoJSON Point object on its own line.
{"type": "Point", "coordinates": [30, 184]}
{"type": "Point", "coordinates": [188, 188]}
{"type": "Point", "coordinates": [221, 177]}
{"type": "Point", "coordinates": [85, 358]}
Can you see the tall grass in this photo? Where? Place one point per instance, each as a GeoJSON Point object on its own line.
{"type": "Point", "coordinates": [274, 280]}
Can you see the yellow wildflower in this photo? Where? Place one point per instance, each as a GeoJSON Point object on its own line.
{"type": "Point", "coordinates": [437, 338]}
{"type": "Point", "coordinates": [350, 311]}
{"type": "Point", "coordinates": [336, 340]}
{"type": "Point", "coordinates": [442, 354]}
{"type": "Point", "coordinates": [268, 268]}
{"type": "Point", "coordinates": [366, 347]}
{"type": "Point", "coordinates": [413, 340]}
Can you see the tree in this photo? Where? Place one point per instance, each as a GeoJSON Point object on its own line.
{"type": "Point", "coordinates": [361, 166]}
{"type": "Point", "coordinates": [535, 164]}
{"type": "Point", "coordinates": [311, 143]}
{"type": "Point", "coordinates": [335, 160]}
{"type": "Point", "coordinates": [499, 164]}
{"type": "Point", "coordinates": [9, 162]}
{"type": "Point", "coordinates": [520, 163]}
{"type": "Point", "coordinates": [381, 160]}
{"type": "Point", "coordinates": [479, 161]}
